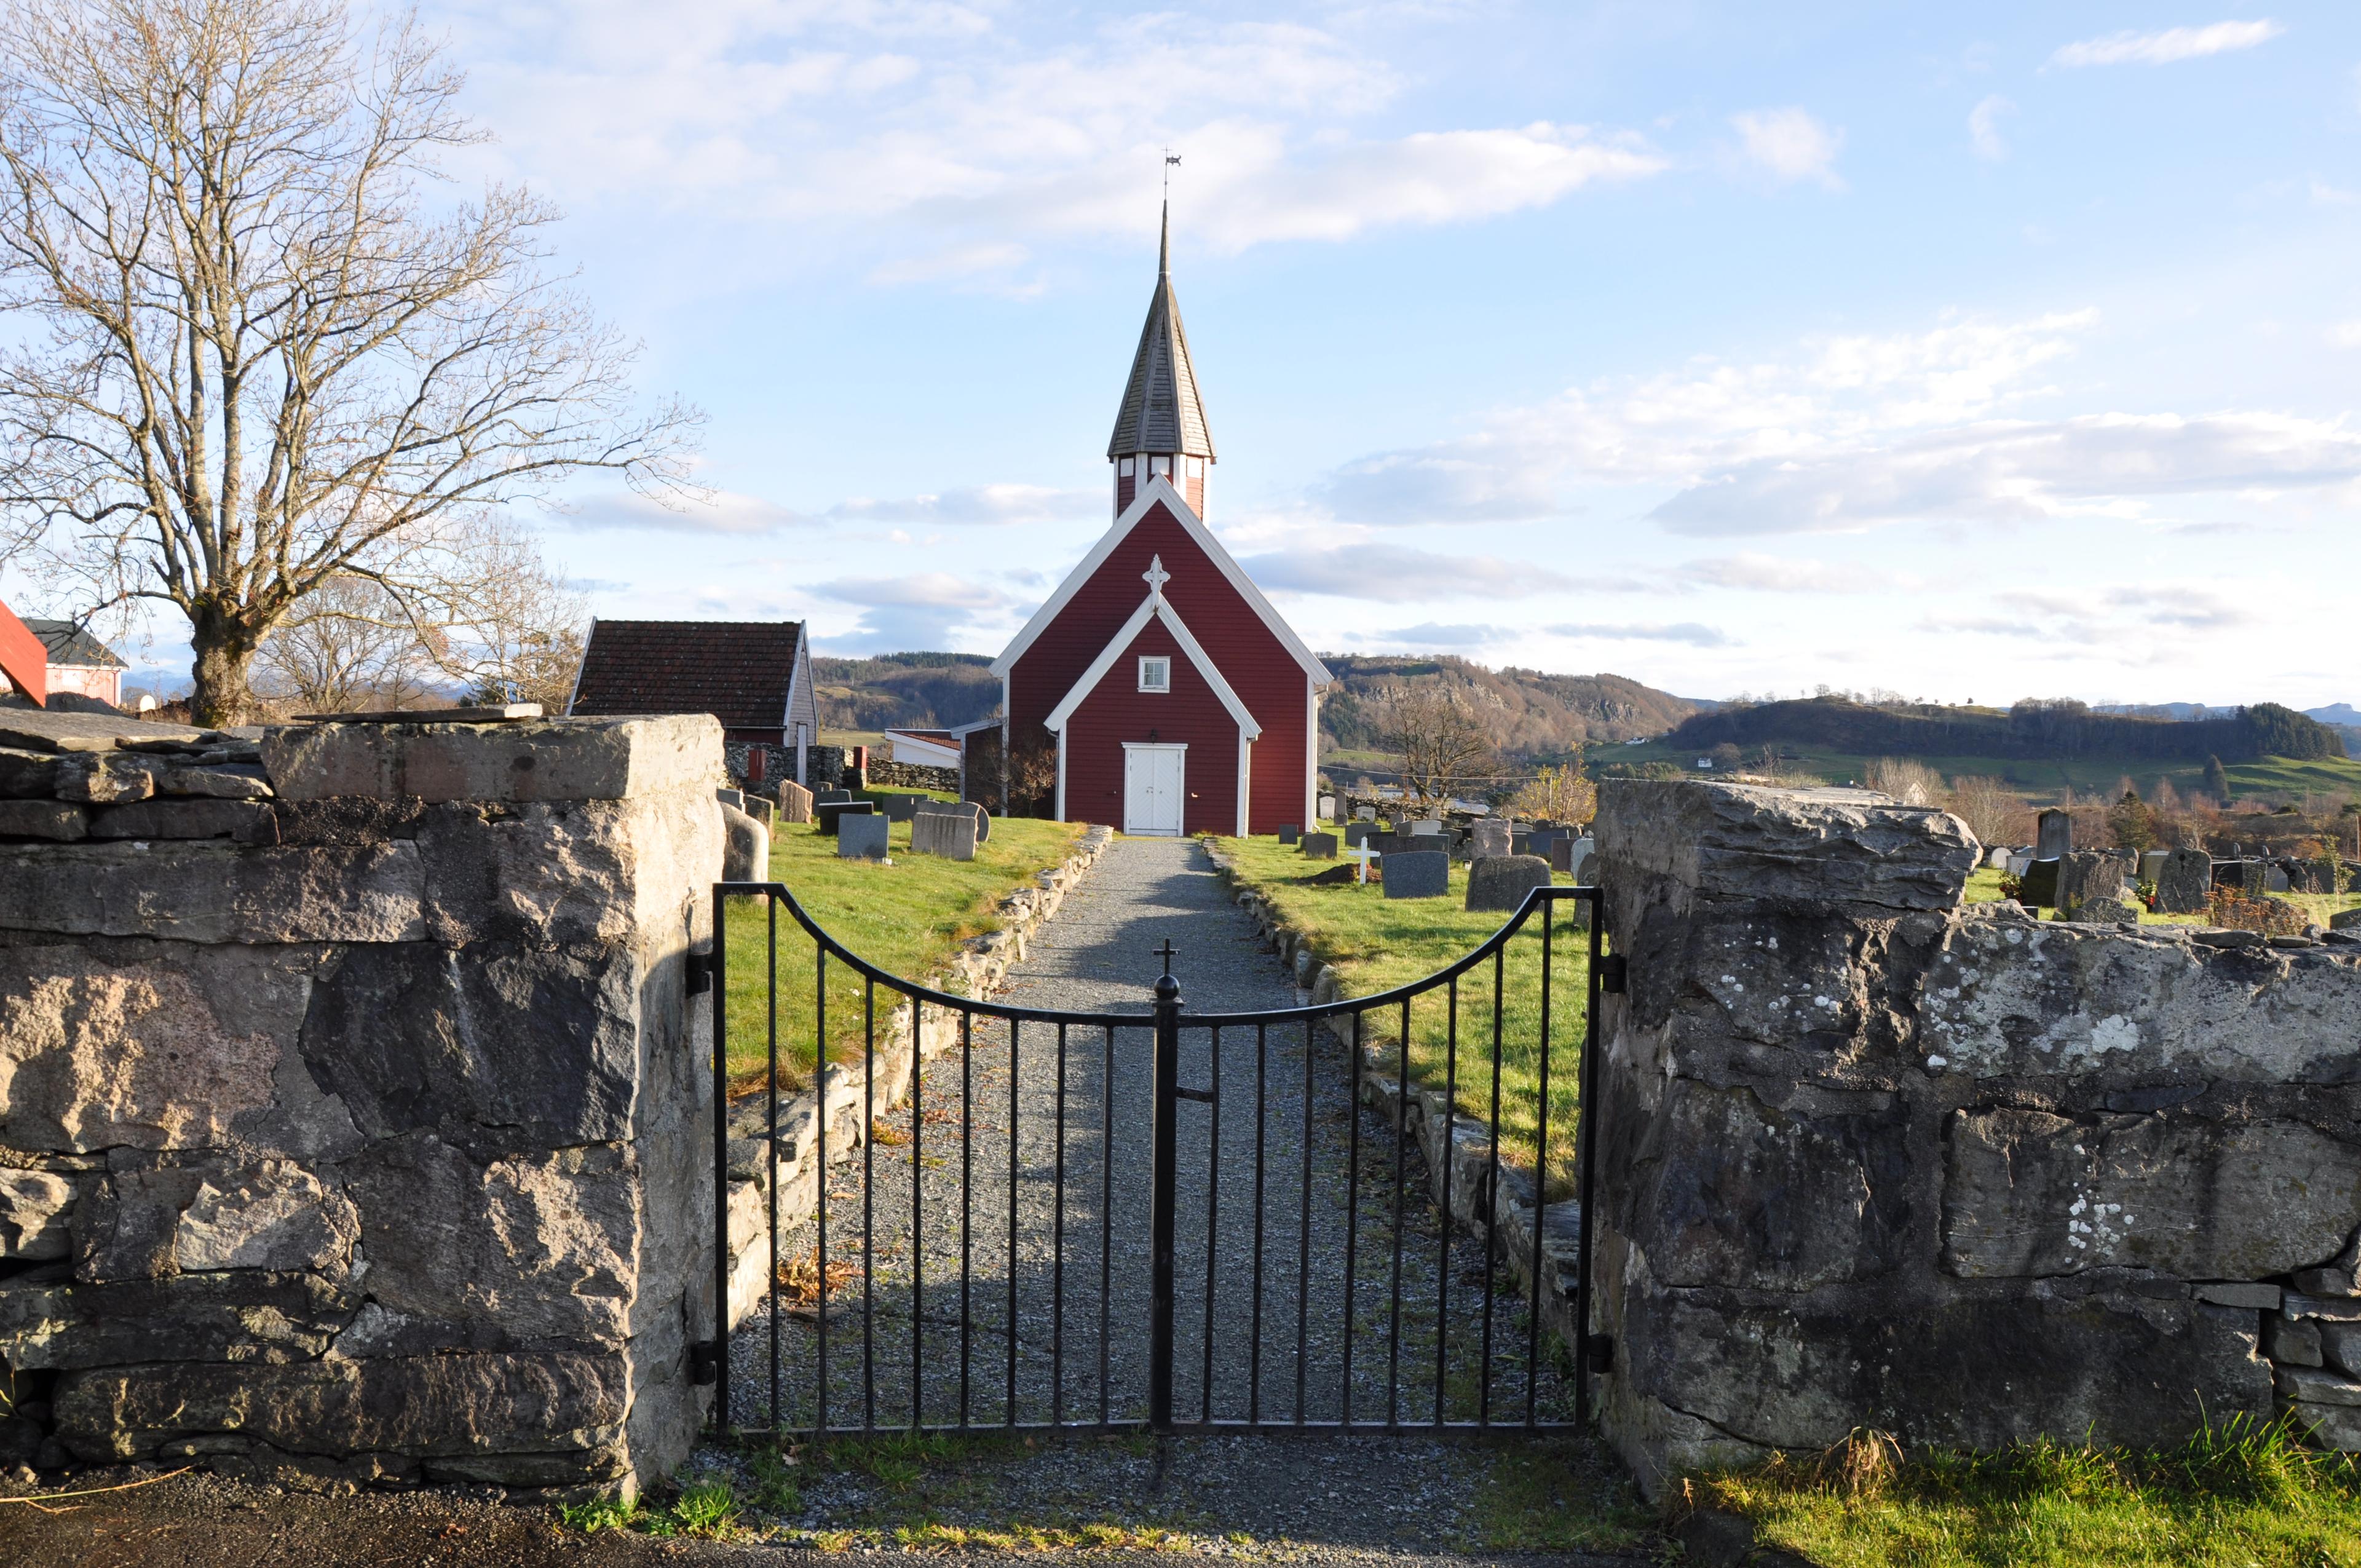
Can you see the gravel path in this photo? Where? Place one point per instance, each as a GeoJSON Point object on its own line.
{"type": "Point", "coordinates": [1283, 1272]}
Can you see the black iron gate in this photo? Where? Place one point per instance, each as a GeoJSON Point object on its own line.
{"type": "Point", "coordinates": [1116, 1291]}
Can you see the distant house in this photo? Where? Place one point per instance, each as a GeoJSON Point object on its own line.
{"type": "Point", "coordinates": [753, 675]}
{"type": "Point", "coordinates": [74, 661]}
{"type": "Point", "coordinates": [925, 748]}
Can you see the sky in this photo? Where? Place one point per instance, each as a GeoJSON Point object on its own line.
{"type": "Point", "coordinates": [1963, 351]}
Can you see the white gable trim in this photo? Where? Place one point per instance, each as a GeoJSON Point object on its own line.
{"type": "Point", "coordinates": [1159, 488]}
{"type": "Point", "coordinates": [1154, 607]}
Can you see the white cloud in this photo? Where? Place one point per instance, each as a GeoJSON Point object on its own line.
{"type": "Point", "coordinates": [1778, 574]}
{"type": "Point", "coordinates": [716, 511]}
{"type": "Point", "coordinates": [986, 505]}
{"type": "Point", "coordinates": [1688, 632]}
{"type": "Point", "coordinates": [1390, 573]}
{"type": "Point", "coordinates": [1435, 634]}
{"type": "Point", "coordinates": [2346, 335]}
{"type": "Point", "coordinates": [1983, 127]}
{"type": "Point", "coordinates": [2171, 45]}
{"type": "Point", "coordinates": [921, 610]}
{"type": "Point", "coordinates": [1791, 144]}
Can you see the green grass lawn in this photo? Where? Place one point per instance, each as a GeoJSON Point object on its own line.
{"type": "Point", "coordinates": [906, 919]}
{"type": "Point", "coordinates": [2237, 1496]}
{"type": "Point", "coordinates": [1377, 944]}
{"type": "Point", "coordinates": [1983, 887]}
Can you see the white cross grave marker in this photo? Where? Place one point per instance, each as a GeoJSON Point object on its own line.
{"type": "Point", "coordinates": [1363, 854]}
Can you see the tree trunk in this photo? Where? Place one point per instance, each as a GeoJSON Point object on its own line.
{"type": "Point", "coordinates": [223, 647]}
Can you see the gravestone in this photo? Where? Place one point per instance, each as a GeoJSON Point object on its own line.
{"type": "Point", "coordinates": [2039, 887]}
{"type": "Point", "coordinates": [2053, 836]}
{"type": "Point", "coordinates": [1997, 857]}
{"type": "Point", "coordinates": [2151, 864]}
{"type": "Point", "coordinates": [824, 797]}
{"type": "Point", "coordinates": [902, 807]}
{"type": "Point", "coordinates": [1327, 809]}
{"type": "Point", "coordinates": [966, 808]}
{"type": "Point", "coordinates": [2185, 884]}
{"type": "Point", "coordinates": [1501, 881]}
{"type": "Point", "coordinates": [2104, 912]}
{"type": "Point", "coordinates": [1320, 846]}
{"type": "Point", "coordinates": [736, 797]}
{"type": "Point", "coordinates": [1489, 838]}
{"type": "Point", "coordinates": [2246, 878]}
{"type": "Point", "coordinates": [2018, 861]}
{"type": "Point", "coordinates": [1521, 842]}
{"type": "Point", "coordinates": [795, 802]}
{"type": "Point", "coordinates": [1419, 873]}
{"type": "Point", "coordinates": [1357, 832]}
{"type": "Point", "coordinates": [1287, 832]}
{"type": "Point", "coordinates": [2275, 879]}
{"type": "Point", "coordinates": [951, 834]}
{"type": "Point", "coordinates": [1426, 828]}
{"type": "Point", "coordinates": [828, 813]}
{"type": "Point", "coordinates": [861, 835]}
{"type": "Point", "coordinates": [1365, 814]}
{"type": "Point", "coordinates": [2089, 874]}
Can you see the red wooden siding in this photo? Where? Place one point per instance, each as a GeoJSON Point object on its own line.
{"type": "Point", "coordinates": [1190, 714]}
{"type": "Point", "coordinates": [1256, 664]}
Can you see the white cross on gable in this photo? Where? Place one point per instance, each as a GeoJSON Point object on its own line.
{"type": "Point", "coordinates": [1156, 576]}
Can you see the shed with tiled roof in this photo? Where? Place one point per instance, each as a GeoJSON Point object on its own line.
{"type": "Point", "coordinates": [753, 675]}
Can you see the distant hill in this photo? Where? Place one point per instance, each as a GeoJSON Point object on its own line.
{"type": "Point", "coordinates": [919, 691]}
{"type": "Point", "coordinates": [2034, 730]}
{"type": "Point", "coordinates": [1531, 716]}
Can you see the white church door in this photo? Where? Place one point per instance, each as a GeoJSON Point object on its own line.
{"type": "Point", "coordinates": [1152, 789]}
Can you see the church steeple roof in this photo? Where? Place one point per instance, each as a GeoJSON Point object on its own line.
{"type": "Point", "coordinates": [1162, 410]}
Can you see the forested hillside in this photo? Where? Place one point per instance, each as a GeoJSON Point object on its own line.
{"type": "Point", "coordinates": [916, 690]}
{"type": "Point", "coordinates": [2032, 730]}
{"type": "Point", "coordinates": [1528, 715]}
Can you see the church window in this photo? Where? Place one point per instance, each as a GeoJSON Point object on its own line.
{"type": "Point", "coordinates": [1156, 673]}
{"type": "Point", "coordinates": [1123, 467]}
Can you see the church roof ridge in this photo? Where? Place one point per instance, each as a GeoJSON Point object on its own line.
{"type": "Point", "coordinates": [1162, 409]}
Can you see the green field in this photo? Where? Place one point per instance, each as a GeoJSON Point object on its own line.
{"type": "Point", "coordinates": [1377, 944]}
{"type": "Point", "coordinates": [907, 918]}
{"type": "Point", "coordinates": [2231, 1496]}
{"type": "Point", "coordinates": [2338, 778]}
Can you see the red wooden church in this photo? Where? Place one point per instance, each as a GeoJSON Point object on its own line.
{"type": "Point", "coordinates": [1177, 699]}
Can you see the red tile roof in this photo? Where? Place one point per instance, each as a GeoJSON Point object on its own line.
{"type": "Point", "coordinates": [737, 671]}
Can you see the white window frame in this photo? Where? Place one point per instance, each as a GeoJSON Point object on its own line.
{"type": "Point", "coordinates": [1162, 664]}
{"type": "Point", "coordinates": [1123, 467]}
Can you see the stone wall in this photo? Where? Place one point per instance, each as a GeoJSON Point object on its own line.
{"type": "Point", "coordinates": [1869, 1157]}
{"type": "Point", "coordinates": [912, 776]}
{"type": "Point", "coordinates": [360, 1138]}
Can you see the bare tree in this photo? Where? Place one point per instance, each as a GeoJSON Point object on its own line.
{"type": "Point", "coordinates": [346, 646]}
{"type": "Point", "coordinates": [251, 356]}
{"type": "Point", "coordinates": [1993, 813]}
{"type": "Point", "coordinates": [512, 630]}
{"type": "Point", "coordinates": [1557, 795]}
{"type": "Point", "coordinates": [1912, 783]}
{"type": "Point", "coordinates": [1439, 737]}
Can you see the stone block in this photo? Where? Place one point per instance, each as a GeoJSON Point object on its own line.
{"type": "Point", "coordinates": [105, 778]}
{"type": "Point", "coordinates": [1318, 846]}
{"type": "Point", "coordinates": [2184, 884]}
{"type": "Point", "coordinates": [951, 834]}
{"type": "Point", "coordinates": [126, 1226]}
{"type": "Point", "coordinates": [1417, 873]}
{"type": "Point", "coordinates": [224, 782]}
{"type": "Point", "coordinates": [273, 1214]}
{"type": "Point", "coordinates": [1502, 881]}
{"type": "Point", "coordinates": [2318, 1386]}
{"type": "Point", "coordinates": [2346, 920]}
{"type": "Point", "coordinates": [2339, 1345]}
{"type": "Point", "coordinates": [1491, 839]}
{"type": "Point", "coordinates": [596, 871]}
{"type": "Point", "coordinates": [2007, 995]}
{"type": "Point", "coordinates": [900, 808]}
{"type": "Point", "coordinates": [435, 1406]}
{"type": "Point", "coordinates": [2292, 1344]}
{"type": "Point", "coordinates": [2254, 1297]}
{"type": "Point", "coordinates": [36, 1210]}
{"type": "Point", "coordinates": [795, 802]}
{"type": "Point", "coordinates": [211, 891]}
{"type": "Point", "coordinates": [745, 846]}
{"type": "Point", "coordinates": [2333, 1427]}
{"type": "Point", "coordinates": [863, 838]}
{"type": "Point", "coordinates": [2104, 912]}
{"type": "Point", "coordinates": [1819, 847]}
{"type": "Point", "coordinates": [1745, 1195]}
{"type": "Point", "coordinates": [246, 822]}
{"type": "Point", "coordinates": [57, 821]}
{"type": "Point", "coordinates": [28, 776]}
{"type": "Point", "coordinates": [568, 759]}
{"type": "Point", "coordinates": [544, 1247]}
{"type": "Point", "coordinates": [2037, 887]}
{"type": "Point", "coordinates": [508, 1041]}
{"type": "Point", "coordinates": [2053, 836]}
{"type": "Point", "coordinates": [1357, 833]}
{"type": "Point", "coordinates": [828, 814]}
{"type": "Point", "coordinates": [1289, 832]}
{"type": "Point", "coordinates": [2089, 874]}
{"type": "Point", "coordinates": [2325, 1308]}
{"type": "Point", "coordinates": [245, 1316]}
{"type": "Point", "coordinates": [2026, 1193]}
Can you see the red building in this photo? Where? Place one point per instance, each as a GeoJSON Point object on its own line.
{"type": "Point", "coordinates": [1176, 699]}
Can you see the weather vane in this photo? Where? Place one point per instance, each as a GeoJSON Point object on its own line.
{"type": "Point", "coordinates": [1171, 159]}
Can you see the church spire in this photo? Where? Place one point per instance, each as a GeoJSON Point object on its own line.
{"type": "Point", "coordinates": [1161, 426]}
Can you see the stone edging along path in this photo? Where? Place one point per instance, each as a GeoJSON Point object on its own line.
{"type": "Point", "coordinates": [1425, 1118]}
{"type": "Point", "coordinates": [979, 967]}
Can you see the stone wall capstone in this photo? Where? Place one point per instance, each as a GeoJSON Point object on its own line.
{"type": "Point", "coordinates": [1868, 1157]}
{"type": "Point", "coordinates": [367, 1148]}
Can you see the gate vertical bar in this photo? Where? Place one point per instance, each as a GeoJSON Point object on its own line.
{"type": "Point", "coordinates": [1162, 1184]}
{"type": "Point", "coordinates": [819, 1182]}
{"type": "Point", "coordinates": [1585, 1132]}
{"type": "Point", "coordinates": [1548, 912]}
{"type": "Point", "coordinates": [720, 1164]}
{"type": "Point", "coordinates": [771, 1149]}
